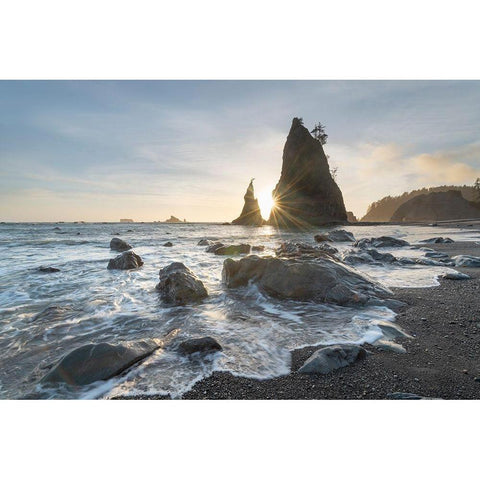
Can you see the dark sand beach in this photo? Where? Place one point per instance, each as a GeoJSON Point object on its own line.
{"type": "Point", "coordinates": [442, 359]}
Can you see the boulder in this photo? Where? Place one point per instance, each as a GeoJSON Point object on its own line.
{"type": "Point", "coordinates": [204, 242]}
{"type": "Point", "coordinates": [251, 214]}
{"type": "Point", "coordinates": [48, 269]}
{"type": "Point", "coordinates": [391, 331]}
{"type": "Point", "coordinates": [168, 244]}
{"type": "Point", "coordinates": [258, 248]}
{"type": "Point", "coordinates": [232, 249]}
{"type": "Point", "coordinates": [380, 242]}
{"type": "Point", "coordinates": [466, 261]}
{"type": "Point", "coordinates": [369, 255]}
{"type": "Point", "coordinates": [306, 194]}
{"type": "Point", "coordinates": [126, 261]}
{"type": "Point", "coordinates": [212, 247]}
{"type": "Point", "coordinates": [340, 236]}
{"type": "Point", "coordinates": [437, 240]}
{"type": "Point", "coordinates": [119, 245]}
{"type": "Point", "coordinates": [320, 279]}
{"type": "Point", "coordinates": [303, 250]}
{"type": "Point", "coordinates": [333, 357]}
{"type": "Point", "coordinates": [389, 346]}
{"type": "Point", "coordinates": [93, 362]}
{"type": "Point", "coordinates": [179, 285]}
{"type": "Point", "coordinates": [203, 345]}
{"type": "Point", "coordinates": [455, 276]}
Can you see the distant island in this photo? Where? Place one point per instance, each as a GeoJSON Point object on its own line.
{"type": "Point", "coordinates": [126, 220]}
{"type": "Point", "coordinates": [172, 219]}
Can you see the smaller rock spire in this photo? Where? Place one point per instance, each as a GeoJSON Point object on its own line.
{"type": "Point", "coordinates": [251, 214]}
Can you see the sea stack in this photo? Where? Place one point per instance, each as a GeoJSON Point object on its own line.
{"type": "Point", "coordinates": [251, 214]}
{"type": "Point", "coordinates": [306, 193]}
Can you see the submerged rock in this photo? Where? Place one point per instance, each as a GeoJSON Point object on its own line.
{"type": "Point", "coordinates": [100, 361]}
{"type": "Point", "coordinates": [204, 242]}
{"type": "Point", "coordinates": [437, 240]}
{"type": "Point", "coordinates": [320, 279]}
{"type": "Point", "coordinates": [168, 244]}
{"type": "Point", "coordinates": [306, 193]}
{"type": "Point", "coordinates": [204, 344]}
{"type": "Point", "coordinates": [119, 245]}
{"type": "Point", "coordinates": [333, 357]}
{"type": "Point", "coordinates": [212, 247]}
{"type": "Point", "coordinates": [380, 242]}
{"type": "Point", "coordinates": [258, 248]}
{"type": "Point", "coordinates": [466, 261]}
{"type": "Point", "coordinates": [251, 214]}
{"type": "Point", "coordinates": [48, 269]}
{"type": "Point", "coordinates": [126, 261]}
{"type": "Point", "coordinates": [232, 249]}
{"type": "Point", "coordinates": [179, 285]}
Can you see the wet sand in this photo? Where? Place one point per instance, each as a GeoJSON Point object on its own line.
{"type": "Point", "coordinates": [442, 359]}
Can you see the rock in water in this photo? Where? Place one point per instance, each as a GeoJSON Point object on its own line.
{"type": "Point", "coordinates": [100, 361]}
{"type": "Point", "coordinates": [306, 193]}
{"type": "Point", "coordinates": [335, 236]}
{"type": "Point", "coordinates": [466, 261]}
{"type": "Point", "coordinates": [251, 214]}
{"type": "Point", "coordinates": [437, 240]}
{"type": "Point", "coordinates": [318, 279]}
{"type": "Point", "coordinates": [380, 242]}
{"type": "Point", "coordinates": [204, 344]}
{"type": "Point", "coordinates": [125, 261]}
{"type": "Point", "coordinates": [48, 269]}
{"type": "Point", "coordinates": [119, 245]}
{"type": "Point", "coordinates": [232, 249]}
{"type": "Point", "coordinates": [333, 357]}
{"type": "Point", "coordinates": [179, 285]}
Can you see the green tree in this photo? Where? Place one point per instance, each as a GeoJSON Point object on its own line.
{"type": "Point", "coordinates": [319, 133]}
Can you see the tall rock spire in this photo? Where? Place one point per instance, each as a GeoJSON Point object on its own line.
{"type": "Point", "coordinates": [306, 193]}
{"type": "Point", "coordinates": [251, 211]}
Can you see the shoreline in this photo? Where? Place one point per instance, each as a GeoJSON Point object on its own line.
{"type": "Point", "coordinates": [442, 359]}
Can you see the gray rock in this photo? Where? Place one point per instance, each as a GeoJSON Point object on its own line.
{"type": "Point", "coordinates": [204, 344]}
{"type": "Point", "coordinates": [333, 357]}
{"type": "Point", "coordinates": [204, 242]}
{"type": "Point", "coordinates": [340, 236]}
{"type": "Point", "coordinates": [388, 346]}
{"type": "Point", "coordinates": [436, 255]}
{"type": "Point", "coordinates": [48, 269]}
{"type": "Point", "coordinates": [233, 249]}
{"type": "Point", "coordinates": [380, 242]}
{"type": "Point", "coordinates": [391, 331]}
{"type": "Point", "coordinates": [456, 276]}
{"type": "Point", "coordinates": [126, 261]}
{"type": "Point", "coordinates": [370, 255]}
{"type": "Point", "coordinates": [95, 362]}
{"type": "Point", "coordinates": [303, 250]}
{"type": "Point", "coordinates": [435, 263]}
{"type": "Point", "coordinates": [258, 248]}
{"type": "Point", "coordinates": [212, 247]}
{"type": "Point", "coordinates": [466, 261]}
{"type": "Point", "coordinates": [168, 244]}
{"type": "Point", "coordinates": [119, 245]}
{"type": "Point", "coordinates": [320, 279]}
{"type": "Point", "coordinates": [179, 285]}
{"type": "Point", "coordinates": [406, 260]}
{"type": "Point", "coordinates": [437, 240]}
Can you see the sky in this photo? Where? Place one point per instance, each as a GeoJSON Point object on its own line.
{"type": "Point", "coordinates": [105, 150]}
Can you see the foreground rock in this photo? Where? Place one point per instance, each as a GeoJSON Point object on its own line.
{"type": "Point", "coordinates": [335, 236]}
{"type": "Point", "coordinates": [320, 279]}
{"type": "Point", "coordinates": [119, 245]}
{"type": "Point", "coordinates": [380, 242]}
{"type": "Point", "coordinates": [251, 214]}
{"type": "Point", "coordinates": [203, 345]}
{"type": "Point", "coordinates": [456, 276]}
{"type": "Point", "coordinates": [306, 193]}
{"type": "Point", "coordinates": [436, 206]}
{"type": "Point", "coordinates": [125, 261]}
{"type": "Point", "coordinates": [333, 357]}
{"type": "Point", "coordinates": [100, 361]}
{"type": "Point", "coordinates": [179, 285]}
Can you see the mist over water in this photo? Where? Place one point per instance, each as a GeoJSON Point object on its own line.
{"type": "Point", "coordinates": [100, 305]}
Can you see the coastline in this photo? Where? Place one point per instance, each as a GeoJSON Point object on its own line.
{"type": "Point", "coordinates": [442, 359]}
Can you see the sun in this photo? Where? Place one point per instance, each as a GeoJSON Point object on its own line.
{"type": "Point", "coordinates": [265, 201]}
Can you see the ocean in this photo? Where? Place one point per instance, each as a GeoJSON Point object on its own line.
{"type": "Point", "coordinates": [257, 332]}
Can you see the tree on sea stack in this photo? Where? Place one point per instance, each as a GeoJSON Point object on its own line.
{"type": "Point", "coordinates": [319, 133]}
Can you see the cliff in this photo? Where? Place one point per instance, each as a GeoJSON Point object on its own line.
{"type": "Point", "coordinates": [306, 193]}
{"type": "Point", "coordinates": [436, 206]}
